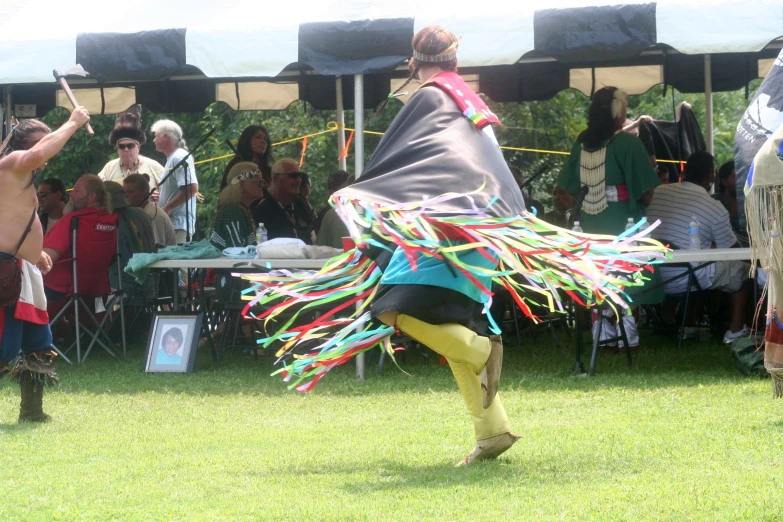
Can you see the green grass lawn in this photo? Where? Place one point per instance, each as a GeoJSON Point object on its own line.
{"type": "Point", "coordinates": [680, 436]}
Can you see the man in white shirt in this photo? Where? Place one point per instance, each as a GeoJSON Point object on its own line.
{"type": "Point", "coordinates": [127, 137]}
{"type": "Point", "coordinates": [675, 205]}
{"type": "Point", "coordinates": [178, 191]}
{"type": "Point", "coordinates": [137, 190]}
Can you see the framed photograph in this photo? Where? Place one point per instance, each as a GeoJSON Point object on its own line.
{"type": "Point", "coordinates": [171, 346]}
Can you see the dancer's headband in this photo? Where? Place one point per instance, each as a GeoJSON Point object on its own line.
{"type": "Point", "coordinates": [445, 56]}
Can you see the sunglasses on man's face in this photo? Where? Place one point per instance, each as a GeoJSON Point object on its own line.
{"type": "Point", "coordinates": [123, 146]}
{"type": "Point", "coordinates": [294, 175]}
{"type": "Point", "coordinates": [43, 194]}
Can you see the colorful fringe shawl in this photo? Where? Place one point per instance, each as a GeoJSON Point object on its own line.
{"type": "Point", "coordinates": [536, 261]}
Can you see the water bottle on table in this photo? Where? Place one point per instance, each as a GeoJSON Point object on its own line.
{"type": "Point", "coordinates": [261, 234]}
{"type": "Point", "coordinates": [694, 242]}
{"type": "Point", "coordinates": [629, 225]}
{"type": "Point", "coordinates": [577, 228]}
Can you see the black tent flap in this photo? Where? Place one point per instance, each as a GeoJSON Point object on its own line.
{"type": "Point", "coordinates": [357, 47]}
{"type": "Point", "coordinates": [147, 55]}
{"type": "Point", "coordinates": [595, 33]}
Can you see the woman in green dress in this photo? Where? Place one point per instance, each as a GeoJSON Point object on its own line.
{"type": "Point", "coordinates": [616, 167]}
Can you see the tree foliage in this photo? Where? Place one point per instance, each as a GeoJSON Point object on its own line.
{"type": "Point", "coordinates": [550, 125]}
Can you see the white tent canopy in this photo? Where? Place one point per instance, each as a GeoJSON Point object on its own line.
{"type": "Point", "coordinates": [237, 39]}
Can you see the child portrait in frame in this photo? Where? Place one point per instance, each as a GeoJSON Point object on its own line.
{"type": "Point", "coordinates": [172, 342]}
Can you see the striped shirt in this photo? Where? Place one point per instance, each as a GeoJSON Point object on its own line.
{"type": "Point", "coordinates": [674, 205]}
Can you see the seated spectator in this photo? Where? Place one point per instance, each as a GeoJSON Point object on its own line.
{"type": "Point", "coordinates": [337, 179]}
{"type": "Point", "coordinates": [333, 230]}
{"type": "Point", "coordinates": [233, 225]}
{"type": "Point", "coordinates": [727, 195]}
{"type": "Point", "coordinates": [283, 213]}
{"type": "Point", "coordinates": [663, 173]}
{"type": "Point", "coordinates": [674, 205]}
{"type": "Point", "coordinates": [563, 201]}
{"type": "Point", "coordinates": [88, 197]}
{"type": "Point", "coordinates": [52, 198]}
{"type": "Point", "coordinates": [135, 237]}
{"type": "Point", "coordinates": [137, 191]}
{"type": "Point", "coordinates": [253, 146]}
{"type": "Point", "coordinates": [530, 203]}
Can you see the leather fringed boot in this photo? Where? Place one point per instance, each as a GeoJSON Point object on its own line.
{"type": "Point", "coordinates": [31, 409]}
{"type": "Point", "coordinates": [33, 371]}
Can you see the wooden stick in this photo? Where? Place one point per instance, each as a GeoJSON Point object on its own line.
{"type": "Point", "coordinates": [75, 104]}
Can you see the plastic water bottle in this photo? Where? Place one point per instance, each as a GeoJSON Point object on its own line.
{"type": "Point", "coordinates": [629, 225]}
{"type": "Point", "coordinates": [261, 234]}
{"type": "Point", "coordinates": [693, 234]}
{"type": "Point", "coordinates": [577, 228]}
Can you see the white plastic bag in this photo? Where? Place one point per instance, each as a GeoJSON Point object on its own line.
{"type": "Point", "coordinates": [282, 248]}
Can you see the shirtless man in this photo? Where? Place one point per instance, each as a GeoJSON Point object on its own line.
{"type": "Point", "coordinates": [24, 326]}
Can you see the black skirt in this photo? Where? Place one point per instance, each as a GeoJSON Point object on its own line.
{"type": "Point", "coordinates": [431, 304]}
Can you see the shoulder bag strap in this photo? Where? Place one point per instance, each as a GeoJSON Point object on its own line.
{"type": "Point", "coordinates": [27, 231]}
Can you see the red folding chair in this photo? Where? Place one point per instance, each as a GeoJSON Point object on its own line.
{"type": "Point", "coordinates": [93, 249]}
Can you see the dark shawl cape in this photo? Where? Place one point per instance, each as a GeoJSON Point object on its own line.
{"type": "Point", "coordinates": [431, 148]}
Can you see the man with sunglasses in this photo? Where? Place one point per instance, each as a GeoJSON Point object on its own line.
{"type": "Point", "coordinates": [284, 213]}
{"type": "Point", "coordinates": [51, 202]}
{"type": "Point", "coordinates": [127, 137]}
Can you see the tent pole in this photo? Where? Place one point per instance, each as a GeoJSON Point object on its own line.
{"type": "Point", "coordinates": [358, 138]}
{"type": "Point", "coordinates": [8, 111]}
{"type": "Point", "coordinates": [358, 150]}
{"type": "Point", "coordinates": [343, 162]}
{"type": "Point", "coordinates": [708, 103]}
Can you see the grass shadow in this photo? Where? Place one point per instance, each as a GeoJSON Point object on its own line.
{"type": "Point", "coordinates": [11, 427]}
{"type": "Point", "coordinates": [535, 368]}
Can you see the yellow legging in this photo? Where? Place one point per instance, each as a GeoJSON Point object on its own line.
{"type": "Point", "coordinates": [466, 353]}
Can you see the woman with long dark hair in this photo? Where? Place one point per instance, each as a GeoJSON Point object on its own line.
{"type": "Point", "coordinates": [615, 166]}
{"type": "Point", "coordinates": [254, 145]}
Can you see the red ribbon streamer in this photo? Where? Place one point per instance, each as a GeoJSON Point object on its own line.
{"type": "Point", "coordinates": [344, 152]}
{"type": "Point", "coordinates": [304, 148]}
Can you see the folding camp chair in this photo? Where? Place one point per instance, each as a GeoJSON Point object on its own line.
{"type": "Point", "coordinates": [692, 288]}
{"type": "Point", "coordinates": [93, 248]}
